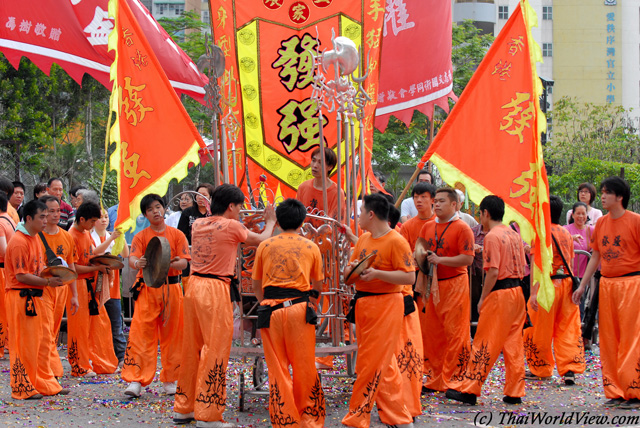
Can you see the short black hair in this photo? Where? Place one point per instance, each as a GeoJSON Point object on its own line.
{"type": "Point", "coordinates": [423, 172]}
{"type": "Point", "coordinates": [74, 190]}
{"type": "Point", "coordinates": [330, 158]}
{"type": "Point", "coordinates": [223, 196]}
{"type": "Point", "coordinates": [49, 198]}
{"type": "Point", "coordinates": [618, 187]}
{"type": "Point", "coordinates": [452, 195]}
{"type": "Point", "coordinates": [290, 214]}
{"type": "Point", "coordinates": [51, 180]}
{"type": "Point", "coordinates": [592, 191]}
{"type": "Point", "coordinates": [19, 184]}
{"type": "Point", "coordinates": [494, 206]}
{"type": "Point", "coordinates": [421, 188]}
{"type": "Point", "coordinates": [378, 204]}
{"type": "Point", "coordinates": [39, 188]}
{"type": "Point", "coordinates": [575, 207]}
{"type": "Point", "coordinates": [3, 204]}
{"type": "Point", "coordinates": [6, 186]}
{"type": "Point", "coordinates": [31, 208]}
{"type": "Point", "coordinates": [87, 211]}
{"type": "Point", "coordinates": [394, 216]}
{"type": "Point", "coordinates": [210, 188]}
{"type": "Point", "coordinates": [147, 200]}
{"type": "Point", "coordinates": [555, 208]}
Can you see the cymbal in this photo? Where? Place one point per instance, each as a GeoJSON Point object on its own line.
{"type": "Point", "coordinates": [357, 269]}
{"type": "Point", "coordinates": [67, 275]}
{"type": "Point", "coordinates": [420, 254]}
{"type": "Point", "coordinates": [108, 260]}
{"type": "Point", "coordinates": [158, 255]}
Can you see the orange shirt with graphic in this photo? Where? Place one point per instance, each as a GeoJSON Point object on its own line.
{"type": "Point", "coordinates": [7, 229]}
{"type": "Point", "coordinates": [288, 261]}
{"type": "Point", "coordinates": [84, 250]}
{"type": "Point", "coordinates": [312, 198]}
{"type": "Point", "coordinates": [214, 245]}
{"type": "Point", "coordinates": [449, 240]}
{"type": "Point", "coordinates": [618, 241]}
{"type": "Point", "coordinates": [565, 241]}
{"type": "Point", "coordinates": [411, 229]}
{"type": "Point", "coordinates": [503, 250]}
{"type": "Point", "coordinates": [24, 255]}
{"type": "Point", "coordinates": [62, 245]}
{"type": "Point", "coordinates": [177, 242]}
{"type": "Point", "coordinates": [392, 254]}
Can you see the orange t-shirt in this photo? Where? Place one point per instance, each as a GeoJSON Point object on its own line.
{"type": "Point", "coordinates": [452, 238]}
{"type": "Point", "coordinates": [13, 214]}
{"type": "Point", "coordinates": [214, 245]}
{"type": "Point", "coordinates": [288, 261]}
{"type": "Point", "coordinates": [7, 229]}
{"type": "Point", "coordinates": [24, 255]}
{"type": "Point", "coordinates": [618, 241]}
{"type": "Point", "coordinates": [177, 242]}
{"type": "Point", "coordinates": [84, 249]}
{"type": "Point", "coordinates": [392, 253]}
{"type": "Point", "coordinates": [62, 245]}
{"type": "Point", "coordinates": [565, 241]}
{"type": "Point", "coordinates": [503, 249]}
{"type": "Point", "coordinates": [411, 229]}
{"type": "Point", "coordinates": [312, 198]}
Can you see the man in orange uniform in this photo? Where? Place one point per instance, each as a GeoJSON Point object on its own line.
{"type": "Point", "coordinates": [285, 266]}
{"type": "Point", "coordinates": [423, 194]}
{"type": "Point", "coordinates": [89, 329]}
{"type": "Point", "coordinates": [7, 230]}
{"type": "Point", "coordinates": [501, 308]}
{"type": "Point", "coordinates": [158, 311]}
{"type": "Point", "coordinates": [208, 308]}
{"type": "Point", "coordinates": [54, 300]}
{"type": "Point", "coordinates": [379, 308]}
{"type": "Point", "coordinates": [616, 244]}
{"type": "Point", "coordinates": [446, 329]}
{"type": "Point", "coordinates": [561, 324]}
{"type": "Point", "coordinates": [31, 377]}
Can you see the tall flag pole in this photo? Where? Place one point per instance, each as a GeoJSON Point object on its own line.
{"type": "Point", "coordinates": [154, 136]}
{"type": "Point", "coordinates": [491, 140]}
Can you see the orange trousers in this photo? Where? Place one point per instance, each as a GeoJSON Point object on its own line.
{"type": "Point", "coordinates": [446, 334]}
{"type": "Point", "coordinates": [29, 374]}
{"type": "Point", "coordinates": [290, 341]}
{"type": "Point", "coordinates": [619, 322]}
{"type": "Point", "coordinates": [499, 330]}
{"type": "Point", "coordinates": [185, 285]}
{"type": "Point", "coordinates": [206, 345]}
{"type": "Point", "coordinates": [378, 327]}
{"type": "Point", "coordinates": [54, 300]}
{"type": "Point", "coordinates": [561, 325]}
{"type": "Point", "coordinates": [4, 329]}
{"type": "Point", "coordinates": [147, 328]}
{"type": "Point", "coordinates": [89, 340]}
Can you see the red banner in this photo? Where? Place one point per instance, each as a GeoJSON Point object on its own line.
{"type": "Point", "coordinates": [74, 33]}
{"type": "Point", "coordinates": [415, 67]}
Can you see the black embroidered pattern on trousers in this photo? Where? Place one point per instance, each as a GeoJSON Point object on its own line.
{"type": "Point", "coordinates": [480, 364]}
{"type": "Point", "coordinates": [216, 386]}
{"type": "Point", "coordinates": [367, 405]}
{"type": "Point", "coordinates": [532, 353]}
{"type": "Point", "coordinates": [73, 357]}
{"type": "Point", "coordinates": [317, 397]}
{"type": "Point", "coordinates": [128, 359]}
{"type": "Point", "coordinates": [278, 418]}
{"type": "Point", "coordinates": [410, 361]}
{"type": "Point", "coordinates": [21, 384]}
{"type": "Point", "coordinates": [463, 361]}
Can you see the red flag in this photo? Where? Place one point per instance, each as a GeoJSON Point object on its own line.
{"type": "Point", "coordinates": [415, 64]}
{"type": "Point", "coordinates": [73, 34]}
{"type": "Point", "coordinates": [491, 140]}
{"type": "Point", "coordinates": [154, 136]}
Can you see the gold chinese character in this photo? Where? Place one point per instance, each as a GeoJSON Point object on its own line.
{"type": "Point", "coordinates": [273, 3]}
{"type": "Point", "coordinates": [373, 38]}
{"type": "Point", "coordinates": [299, 128]}
{"type": "Point", "coordinates": [222, 17]}
{"type": "Point", "coordinates": [139, 60]}
{"type": "Point", "coordinates": [371, 91]}
{"type": "Point", "coordinates": [502, 70]}
{"type": "Point", "coordinates": [135, 113]}
{"type": "Point", "coordinates": [296, 62]}
{"type": "Point", "coordinates": [526, 187]}
{"type": "Point", "coordinates": [298, 12]}
{"type": "Point", "coordinates": [515, 45]}
{"type": "Point", "coordinates": [519, 117]}
{"type": "Point", "coordinates": [131, 166]}
{"type": "Point", "coordinates": [223, 43]}
{"type": "Point", "coordinates": [376, 9]}
{"type": "Point", "coordinates": [126, 35]}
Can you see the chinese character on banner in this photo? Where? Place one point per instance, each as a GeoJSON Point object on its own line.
{"type": "Point", "coordinates": [299, 128]}
{"type": "Point", "coordinates": [25, 26]}
{"type": "Point", "coordinates": [502, 70]}
{"type": "Point", "coordinates": [139, 60]}
{"type": "Point", "coordinates": [11, 23]}
{"type": "Point", "coordinates": [296, 62]}
{"type": "Point", "coordinates": [515, 45]}
{"type": "Point", "coordinates": [525, 187]}
{"type": "Point", "coordinates": [99, 28]}
{"type": "Point", "coordinates": [39, 30]}
{"type": "Point", "coordinates": [519, 117]}
{"type": "Point", "coordinates": [398, 17]}
{"type": "Point", "coordinates": [135, 113]}
{"type": "Point", "coordinates": [131, 166]}
{"type": "Point", "coordinates": [55, 34]}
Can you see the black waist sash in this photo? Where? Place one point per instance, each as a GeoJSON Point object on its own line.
{"type": "Point", "coordinates": [234, 293]}
{"type": "Point", "coordinates": [93, 303]}
{"type": "Point", "coordinates": [636, 273]}
{"type": "Point", "coordinates": [505, 284]}
{"type": "Point", "coordinates": [137, 287]}
{"type": "Point", "coordinates": [274, 293]}
{"type": "Point", "coordinates": [30, 293]}
{"type": "Point", "coordinates": [409, 305]}
{"type": "Point", "coordinates": [559, 276]}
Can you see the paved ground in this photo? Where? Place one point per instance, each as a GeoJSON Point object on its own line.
{"type": "Point", "coordinates": [100, 403]}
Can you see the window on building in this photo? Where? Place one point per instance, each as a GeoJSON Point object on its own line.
{"type": "Point", "coordinates": [503, 12]}
{"type": "Point", "coordinates": [547, 49]}
{"type": "Point", "coordinates": [179, 9]}
{"type": "Point", "coordinates": [547, 13]}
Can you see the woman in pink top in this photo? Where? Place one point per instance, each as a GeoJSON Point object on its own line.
{"type": "Point", "coordinates": [581, 233]}
{"type": "Point", "coordinates": [587, 194]}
